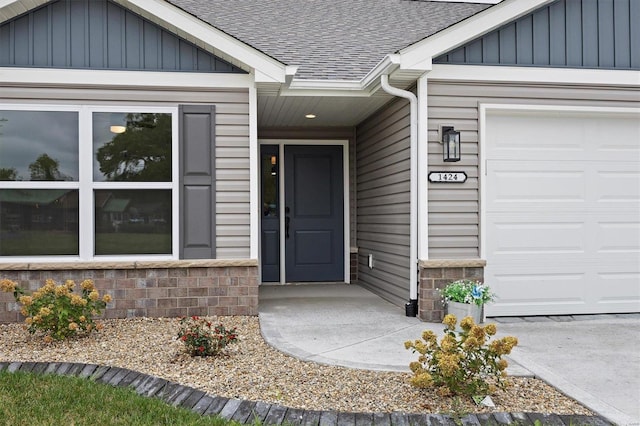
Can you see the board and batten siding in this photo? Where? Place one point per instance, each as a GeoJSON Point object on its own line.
{"type": "Point", "coordinates": [566, 33]}
{"type": "Point", "coordinates": [99, 34]}
{"type": "Point", "coordinates": [231, 142]}
{"type": "Point", "coordinates": [383, 201]}
{"type": "Point", "coordinates": [454, 209]}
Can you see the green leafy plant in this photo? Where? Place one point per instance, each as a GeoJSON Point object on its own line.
{"type": "Point", "coordinates": [57, 310]}
{"type": "Point", "coordinates": [462, 363]}
{"type": "Point", "coordinates": [201, 338]}
{"type": "Point", "coordinates": [467, 291]}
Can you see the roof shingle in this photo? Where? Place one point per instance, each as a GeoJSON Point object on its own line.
{"type": "Point", "coordinates": [329, 39]}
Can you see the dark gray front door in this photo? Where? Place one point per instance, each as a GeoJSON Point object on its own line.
{"type": "Point", "coordinates": [314, 213]}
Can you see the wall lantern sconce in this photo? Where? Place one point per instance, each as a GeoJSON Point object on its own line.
{"type": "Point", "coordinates": [274, 168]}
{"type": "Point", "coordinates": [450, 144]}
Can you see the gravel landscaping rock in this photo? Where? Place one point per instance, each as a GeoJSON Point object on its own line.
{"type": "Point", "coordinates": [252, 370]}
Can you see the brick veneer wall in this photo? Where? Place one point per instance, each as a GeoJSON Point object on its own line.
{"type": "Point", "coordinates": [353, 267]}
{"type": "Point", "coordinates": [435, 275]}
{"type": "Point", "coordinates": [151, 289]}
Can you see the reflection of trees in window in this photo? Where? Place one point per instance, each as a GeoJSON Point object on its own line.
{"type": "Point", "coordinates": [142, 153]}
{"type": "Point", "coordinates": [8, 173]}
{"type": "Point", "coordinates": [46, 168]}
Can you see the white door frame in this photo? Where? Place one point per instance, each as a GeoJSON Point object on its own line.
{"type": "Point", "coordinates": [281, 143]}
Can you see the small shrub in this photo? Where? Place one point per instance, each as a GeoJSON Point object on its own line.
{"type": "Point", "coordinates": [57, 310]}
{"type": "Point", "coordinates": [463, 363]}
{"type": "Point", "coordinates": [201, 338]}
{"type": "Point", "coordinates": [467, 291]}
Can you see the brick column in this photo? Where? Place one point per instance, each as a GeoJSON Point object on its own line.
{"type": "Point", "coordinates": [435, 275]}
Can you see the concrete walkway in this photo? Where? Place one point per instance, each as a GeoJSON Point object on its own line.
{"type": "Point", "coordinates": [593, 359]}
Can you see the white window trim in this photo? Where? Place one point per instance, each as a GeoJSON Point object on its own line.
{"type": "Point", "coordinates": [86, 186]}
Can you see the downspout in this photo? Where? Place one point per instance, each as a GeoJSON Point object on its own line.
{"type": "Point", "coordinates": [411, 307]}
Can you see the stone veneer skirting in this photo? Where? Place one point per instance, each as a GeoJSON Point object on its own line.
{"type": "Point", "coordinates": [149, 288]}
{"type": "Point", "coordinates": [436, 274]}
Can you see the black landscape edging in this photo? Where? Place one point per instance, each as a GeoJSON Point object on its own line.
{"type": "Point", "coordinates": [246, 412]}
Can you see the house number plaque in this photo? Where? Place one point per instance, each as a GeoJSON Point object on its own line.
{"type": "Point", "coordinates": [447, 177]}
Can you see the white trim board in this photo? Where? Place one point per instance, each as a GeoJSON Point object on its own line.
{"type": "Point", "coordinates": [118, 78]}
{"type": "Point", "coordinates": [528, 75]}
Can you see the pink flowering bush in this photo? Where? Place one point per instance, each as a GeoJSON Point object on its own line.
{"type": "Point", "coordinates": [201, 338]}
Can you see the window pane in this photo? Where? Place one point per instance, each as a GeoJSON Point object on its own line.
{"type": "Point", "coordinates": [270, 185]}
{"type": "Point", "coordinates": [38, 145]}
{"type": "Point", "coordinates": [133, 221]}
{"type": "Point", "coordinates": [38, 222]}
{"type": "Point", "coordinates": [131, 147]}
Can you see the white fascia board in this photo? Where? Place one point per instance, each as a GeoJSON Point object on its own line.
{"type": "Point", "coordinates": [419, 55]}
{"type": "Point", "coordinates": [479, 73]}
{"type": "Point", "coordinates": [324, 88]}
{"type": "Point", "coordinates": [116, 78]}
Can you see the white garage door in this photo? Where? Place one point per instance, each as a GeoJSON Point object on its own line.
{"type": "Point", "coordinates": [562, 211]}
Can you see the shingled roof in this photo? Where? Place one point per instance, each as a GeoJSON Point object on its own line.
{"type": "Point", "coordinates": [329, 39]}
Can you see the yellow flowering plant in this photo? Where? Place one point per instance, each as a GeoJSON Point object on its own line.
{"type": "Point", "coordinates": [57, 310]}
{"type": "Point", "coordinates": [461, 363]}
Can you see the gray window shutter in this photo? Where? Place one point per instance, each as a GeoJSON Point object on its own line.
{"type": "Point", "coordinates": [197, 182]}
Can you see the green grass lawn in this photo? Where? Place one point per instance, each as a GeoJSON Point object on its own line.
{"type": "Point", "coordinates": [36, 399]}
{"type": "Point", "coordinates": [132, 243]}
{"type": "Point", "coordinates": [30, 243]}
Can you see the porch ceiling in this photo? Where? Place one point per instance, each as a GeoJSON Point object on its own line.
{"type": "Point", "coordinates": [330, 111]}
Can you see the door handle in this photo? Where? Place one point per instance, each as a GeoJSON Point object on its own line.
{"type": "Point", "coordinates": [287, 221]}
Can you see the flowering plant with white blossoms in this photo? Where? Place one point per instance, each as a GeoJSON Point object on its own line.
{"type": "Point", "coordinates": [467, 291]}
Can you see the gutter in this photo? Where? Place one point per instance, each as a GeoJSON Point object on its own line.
{"type": "Point", "coordinates": [411, 307]}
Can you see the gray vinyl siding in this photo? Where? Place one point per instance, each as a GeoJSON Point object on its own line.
{"type": "Point", "coordinates": [383, 201]}
{"type": "Point", "coordinates": [231, 139]}
{"type": "Point", "coordinates": [98, 34]}
{"type": "Point", "coordinates": [232, 177]}
{"type": "Point", "coordinates": [454, 209]}
{"type": "Point", "coordinates": [566, 33]}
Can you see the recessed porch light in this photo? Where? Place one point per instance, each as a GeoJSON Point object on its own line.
{"type": "Point", "coordinates": [310, 116]}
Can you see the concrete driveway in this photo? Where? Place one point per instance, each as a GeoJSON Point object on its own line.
{"type": "Point", "coordinates": [594, 359]}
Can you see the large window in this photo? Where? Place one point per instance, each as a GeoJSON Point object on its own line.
{"type": "Point", "coordinates": [87, 182]}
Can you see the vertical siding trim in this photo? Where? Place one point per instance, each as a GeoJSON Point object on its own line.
{"type": "Point", "coordinates": [566, 33]}
{"type": "Point", "coordinates": [67, 34]}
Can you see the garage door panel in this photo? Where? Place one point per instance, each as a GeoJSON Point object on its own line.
{"type": "Point", "coordinates": [613, 237]}
{"type": "Point", "coordinates": [618, 287]}
{"type": "Point", "coordinates": [618, 186]}
{"type": "Point", "coordinates": [508, 179]}
{"type": "Point", "coordinates": [513, 239]}
{"type": "Point", "coordinates": [562, 228]}
{"type": "Point", "coordinates": [525, 290]}
{"type": "Point", "coordinates": [569, 135]}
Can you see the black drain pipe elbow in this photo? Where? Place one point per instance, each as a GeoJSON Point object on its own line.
{"type": "Point", "coordinates": [411, 308]}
